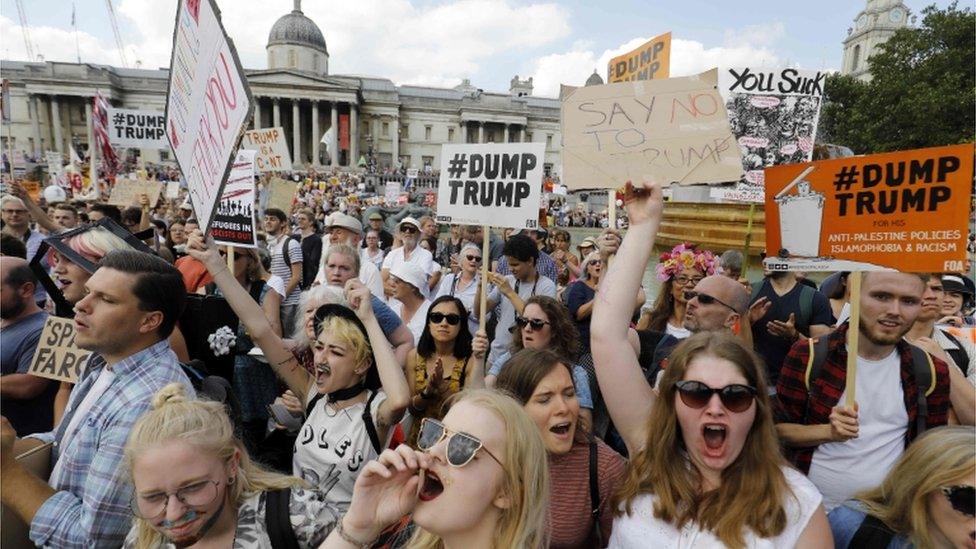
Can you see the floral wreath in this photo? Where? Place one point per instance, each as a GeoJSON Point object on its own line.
{"type": "Point", "coordinates": [685, 256]}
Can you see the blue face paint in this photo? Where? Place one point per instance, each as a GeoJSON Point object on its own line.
{"type": "Point", "coordinates": [189, 515]}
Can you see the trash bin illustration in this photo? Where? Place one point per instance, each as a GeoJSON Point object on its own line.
{"type": "Point", "coordinates": [800, 217]}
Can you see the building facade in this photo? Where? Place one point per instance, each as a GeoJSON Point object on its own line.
{"type": "Point", "coordinates": [51, 105]}
{"type": "Point", "coordinates": [873, 26]}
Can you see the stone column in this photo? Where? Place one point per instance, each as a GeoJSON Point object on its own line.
{"type": "Point", "coordinates": [56, 122]}
{"type": "Point", "coordinates": [276, 112]}
{"type": "Point", "coordinates": [296, 134]}
{"type": "Point", "coordinates": [36, 125]}
{"type": "Point", "coordinates": [505, 139]}
{"type": "Point", "coordinates": [334, 142]}
{"type": "Point", "coordinates": [316, 137]}
{"type": "Point", "coordinates": [256, 121]}
{"type": "Point", "coordinates": [353, 135]}
{"type": "Point", "coordinates": [396, 141]}
{"type": "Point", "coordinates": [376, 134]}
{"type": "Point", "coordinates": [522, 134]}
{"type": "Point", "coordinates": [89, 125]}
{"type": "Point", "coordinates": [464, 132]}
{"type": "Point", "coordinates": [481, 132]}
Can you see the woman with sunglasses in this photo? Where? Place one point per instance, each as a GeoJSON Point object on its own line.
{"type": "Point", "coordinates": [927, 499]}
{"type": "Point", "coordinates": [706, 468]}
{"type": "Point", "coordinates": [464, 283]}
{"type": "Point", "coordinates": [585, 473]}
{"type": "Point", "coordinates": [479, 480]}
{"type": "Point", "coordinates": [442, 364]}
{"type": "Point", "coordinates": [680, 269]}
{"type": "Point", "coordinates": [186, 448]}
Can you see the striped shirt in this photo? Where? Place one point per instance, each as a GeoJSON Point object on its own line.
{"type": "Point", "coordinates": [283, 270]}
{"type": "Point", "coordinates": [570, 518]}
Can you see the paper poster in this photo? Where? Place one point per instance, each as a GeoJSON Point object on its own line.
{"type": "Point", "coordinates": [20, 163]}
{"type": "Point", "coordinates": [673, 130]}
{"type": "Point", "coordinates": [281, 194]}
{"type": "Point", "coordinates": [57, 357]}
{"type": "Point", "coordinates": [126, 192]}
{"type": "Point", "coordinates": [498, 185]}
{"type": "Point", "coordinates": [650, 61]}
{"type": "Point", "coordinates": [391, 191]}
{"type": "Point", "coordinates": [208, 103]}
{"type": "Point", "coordinates": [54, 164]}
{"type": "Point", "coordinates": [137, 128]}
{"type": "Point", "coordinates": [172, 190]}
{"type": "Point", "coordinates": [907, 211]}
{"type": "Point", "coordinates": [774, 115]}
{"type": "Point", "coordinates": [233, 222]}
{"type": "Point", "coordinates": [272, 150]}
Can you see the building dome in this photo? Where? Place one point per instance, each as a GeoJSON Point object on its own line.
{"type": "Point", "coordinates": [296, 29]}
{"type": "Point", "coordinates": [594, 79]}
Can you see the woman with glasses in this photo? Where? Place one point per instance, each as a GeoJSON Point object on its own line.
{"type": "Point", "coordinates": [680, 269]}
{"type": "Point", "coordinates": [464, 283]}
{"type": "Point", "coordinates": [585, 473]}
{"type": "Point", "coordinates": [479, 480]}
{"type": "Point", "coordinates": [194, 484]}
{"type": "Point", "coordinates": [176, 238]}
{"type": "Point", "coordinates": [927, 499]}
{"type": "Point", "coordinates": [442, 364]}
{"type": "Point", "coordinates": [706, 468]}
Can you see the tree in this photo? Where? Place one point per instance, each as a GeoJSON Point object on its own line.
{"type": "Point", "coordinates": [922, 92]}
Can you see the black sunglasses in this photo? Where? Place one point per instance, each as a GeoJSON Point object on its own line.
{"type": "Point", "coordinates": [451, 318]}
{"type": "Point", "coordinates": [536, 323]}
{"type": "Point", "coordinates": [408, 229]}
{"type": "Point", "coordinates": [461, 447]}
{"type": "Point", "coordinates": [735, 397]}
{"type": "Point", "coordinates": [962, 498]}
{"type": "Point", "coordinates": [705, 299]}
{"type": "Point", "coordinates": [475, 258]}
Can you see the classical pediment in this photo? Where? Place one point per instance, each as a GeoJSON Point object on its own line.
{"type": "Point", "coordinates": [294, 78]}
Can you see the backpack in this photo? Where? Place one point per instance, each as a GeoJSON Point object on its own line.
{"type": "Point", "coordinates": [596, 534]}
{"type": "Point", "coordinates": [374, 437]}
{"type": "Point", "coordinates": [284, 249]}
{"type": "Point", "coordinates": [922, 369]}
{"type": "Point", "coordinates": [872, 534]}
{"type": "Point", "coordinates": [959, 354]}
{"type": "Point", "coordinates": [806, 304]}
{"type": "Point", "coordinates": [277, 518]}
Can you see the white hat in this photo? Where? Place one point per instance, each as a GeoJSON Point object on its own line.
{"type": "Point", "coordinates": [411, 274]}
{"type": "Point", "coordinates": [54, 193]}
{"type": "Point", "coordinates": [346, 222]}
{"type": "Point", "coordinates": [409, 221]}
{"type": "Point", "coordinates": [186, 204]}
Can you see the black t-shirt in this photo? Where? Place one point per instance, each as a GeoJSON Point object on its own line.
{"type": "Point", "coordinates": [773, 349]}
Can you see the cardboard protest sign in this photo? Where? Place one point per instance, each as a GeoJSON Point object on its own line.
{"type": "Point", "coordinates": [272, 150]}
{"type": "Point", "coordinates": [19, 163]}
{"type": "Point", "coordinates": [233, 222]}
{"type": "Point", "coordinates": [33, 189]}
{"type": "Point", "coordinates": [649, 61]}
{"type": "Point", "coordinates": [172, 190]}
{"type": "Point", "coordinates": [673, 130]}
{"type": "Point", "coordinates": [498, 185]}
{"type": "Point", "coordinates": [126, 192]}
{"type": "Point", "coordinates": [208, 103]}
{"type": "Point", "coordinates": [281, 194]}
{"type": "Point", "coordinates": [907, 211]}
{"type": "Point", "coordinates": [136, 128]}
{"type": "Point", "coordinates": [57, 357]}
{"type": "Point", "coordinates": [774, 116]}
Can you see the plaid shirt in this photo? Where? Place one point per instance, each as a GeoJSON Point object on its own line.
{"type": "Point", "coordinates": [794, 404]}
{"type": "Point", "coordinates": [91, 505]}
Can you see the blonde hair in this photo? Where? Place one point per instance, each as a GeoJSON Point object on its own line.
{"type": "Point", "coordinates": [204, 425]}
{"type": "Point", "coordinates": [526, 483]}
{"type": "Point", "coordinates": [348, 333]}
{"type": "Point", "coordinates": [938, 458]}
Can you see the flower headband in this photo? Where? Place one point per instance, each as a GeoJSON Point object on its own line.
{"type": "Point", "coordinates": [685, 256]}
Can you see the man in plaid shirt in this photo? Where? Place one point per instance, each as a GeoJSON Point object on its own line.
{"type": "Point", "coordinates": [848, 449]}
{"type": "Point", "coordinates": [133, 301]}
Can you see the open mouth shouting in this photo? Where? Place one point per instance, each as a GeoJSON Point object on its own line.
{"type": "Point", "coordinates": [714, 435]}
{"type": "Point", "coordinates": [431, 486]}
{"type": "Point", "coordinates": [561, 430]}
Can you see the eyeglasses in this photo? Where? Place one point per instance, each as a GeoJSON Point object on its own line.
{"type": "Point", "coordinates": [14, 212]}
{"type": "Point", "coordinates": [451, 318]}
{"type": "Point", "coordinates": [682, 280]}
{"type": "Point", "coordinates": [461, 447]}
{"type": "Point", "coordinates": [735, 397]}
{"type": "Point", "coordinates": [962, 498]}
{"type": "Point", "coordinates": [408, 229]}
{"type": "Point", "coordinates": [705, 299]}
{"type": "Point", "coordinates": [475, 258]}
{"type": "Point", "coordinates": [197, 494]}
{"type": "Point", "coordinates": [535, 323]}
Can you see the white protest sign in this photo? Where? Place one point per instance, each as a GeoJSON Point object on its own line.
{"type": "Point", "coordinates": [233, 222]}
{"type": "Point", "coordinates": [57, 357]}
{"type": "Point", "coordinates": [413, 173]}
{"type": "Point", "coordinates": [136, 128]}
{"type": "Point", "coordinates": [208, 103]}
{"type": "Point", "coordinates": [271, 148]}
{"type": "Point", "coordinates": [391, 191]}
{"type": "Point", "coordinates": [172, 190]}
{"type": "Point", "coordinates": [54, 165]}
{"type": "Point", "coordinates": [491, 184]}
{"type": "Point", "coordinates": [671, 130]}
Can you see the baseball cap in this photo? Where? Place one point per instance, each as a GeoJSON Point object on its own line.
{"type": "Point", "coordinates": [346, 222]}
{"type": "Point", "coordinates": [376, 215]}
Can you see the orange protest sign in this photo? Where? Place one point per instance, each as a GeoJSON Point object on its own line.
{"type": "Point", "coordinates": [651, 60]}
{"type": "Point", "coordinates": [906, 210]}
{"type": "Point", "coordinates": [33, 189]}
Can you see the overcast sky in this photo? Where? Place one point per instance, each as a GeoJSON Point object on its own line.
{"type": "Point", "coordinates": [438, 43]}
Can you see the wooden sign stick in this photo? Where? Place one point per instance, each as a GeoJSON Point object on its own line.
{"type": "Point", "coordinates": [486, 232]}
{"type": "Point", "coordinates": [230, 259]}
{"type": "Point", "coordinates": [854, 281]}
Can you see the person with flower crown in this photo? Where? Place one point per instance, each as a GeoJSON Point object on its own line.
{"type": "Point", "coordinates": [679, 269]}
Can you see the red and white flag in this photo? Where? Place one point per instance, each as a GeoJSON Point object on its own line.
{"type": "Point", "coordinates": [100, 125]}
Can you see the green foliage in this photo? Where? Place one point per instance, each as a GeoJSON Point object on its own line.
{"type": "Point", "coordinates": [922, 92]}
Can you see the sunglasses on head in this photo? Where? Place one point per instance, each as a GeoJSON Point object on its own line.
{"type": "Point", "coordinates": [461, 447]}
{"type": "Point", "coordinates": [451, 318]}
{"type": "Point", "coordinates": [962, 498]}
{"type": "Point", "coordinates": [735, 397]}
{"type": "Point", "coordinates": [705, 299]}
{"type": "Point", "coordinates": [475, 258]}
{"type": "Point", "coordinates": [535, 323]}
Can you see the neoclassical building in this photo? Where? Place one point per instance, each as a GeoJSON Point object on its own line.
{"type": "Point", "coordinates": [51, 106]}
{"type": "Point", "coordinates": [873, 26]}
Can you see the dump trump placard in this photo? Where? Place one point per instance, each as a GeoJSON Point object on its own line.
{"type": "Point", "coordinates": [137, 128]}
{"type": "Point", "coordinates": [651, 60]}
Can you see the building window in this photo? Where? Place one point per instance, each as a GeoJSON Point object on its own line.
{"type": "Point", "coordinates": [427, 132]}
{"type": "Point", "coordinates": [528, 137]}
{"type": "Point", "coordinates": [450, 135]}
{"type": "Point", "coordinates": [386, 129]}
{"type": "Point", "coordinates": [292, 59]}
{"type": "Point", "coordinates": [857, 57]}
{"type": "Point", "coordinates": [548, 140]}
{"type": "Point", "coordinates": [428, 163]}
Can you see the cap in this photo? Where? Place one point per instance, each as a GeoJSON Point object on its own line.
{"type": "Point", "coordinates": [376, 215]}
{"type": "Point", "coordinates": [411, 274]}
{"type": "Point", "coordinates": [346, 222]}
{"type": "Point", "coordinates": [409, 221]}
{"type": "Point", "coordinates": [587, 242]}
{"type": "Point", "coordinates": [955, 283]}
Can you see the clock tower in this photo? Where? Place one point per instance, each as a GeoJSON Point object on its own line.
{"type": "Point", "coordinates": [873, 26]}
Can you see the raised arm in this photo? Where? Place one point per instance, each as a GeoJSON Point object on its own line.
{"type": "Point", "coordinates": [627, 394]}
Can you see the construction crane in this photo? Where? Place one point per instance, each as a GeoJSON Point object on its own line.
{"type": "Point", "coordinates": [115, 30]}
{"type": "Point", "coordinates": [25, 29]}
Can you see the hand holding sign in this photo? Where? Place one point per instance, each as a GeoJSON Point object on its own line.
{"type": "Point", "coordinates": [57, 357]}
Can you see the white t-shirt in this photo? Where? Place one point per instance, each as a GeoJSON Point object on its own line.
{"type": "Point", "coordinates": [277, 284]}
{"type": "Point", "coordinates": [679, 332]}
{"type": "Point", "coordinates": [417, 321]}
{"type": "Point", "coordinates": [98, 388]}
{"type": "Point", "coordinates": [841, 469]}
{"type": "Point", "coordinates": [374, 259]}
{"type": "Point", "coordinates": [333, 446]}
{"type": "Point", "coordinates": [641, 528]}
{"type": "Point", "coordinates": [419, 257]}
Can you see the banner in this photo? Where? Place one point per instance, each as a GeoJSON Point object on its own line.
{"type": "Point", "coordinates": [773, 114]}
{"type": "Point", "coordinates": [499, 185]}
{"type": "Point", "coordinates": [648, 62]}
{"type": "Point", "coordinates": [673, 130]}
{"type": "Point", "coordinates": [281, 194]}
{"type": "Point", "coordinates": [126, 192]}
{"type": "Point", "coordinates": [57, 357]}
{"type": "Point", "coordinates": [233, 222]}
{"type": "Point", "coordinates": [272, 150]}
{"type": "Point", "coordinates": [137, 129]}
{"type": "Point", "coordinates": [208, 103]}
{"type": "Point", "coordinates": [391, 191]}
{"type": "Point", "coordinates": [907, 211]}
{"type": "Point", "coordinates": [344, 132]}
